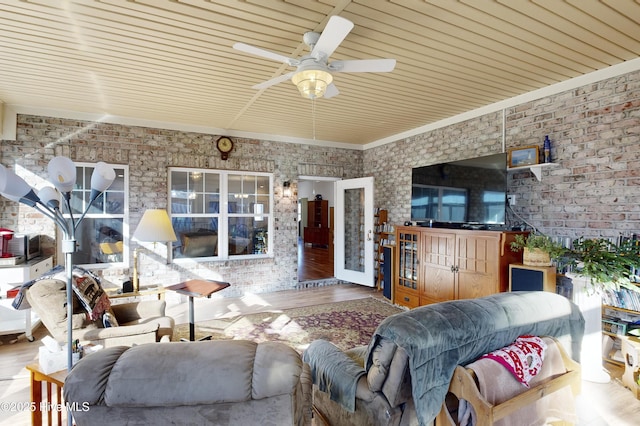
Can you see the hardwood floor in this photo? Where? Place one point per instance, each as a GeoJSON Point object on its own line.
{"type": "Point", "coordinates": [314, 263]}
{"type": "Point", "coordinates": [598, 404]}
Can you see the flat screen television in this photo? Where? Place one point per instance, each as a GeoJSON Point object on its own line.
{"type": "Point", "coordinates": [472, 192]}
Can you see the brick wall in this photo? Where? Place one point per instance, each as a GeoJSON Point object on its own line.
{"type": "Point", "coordinates": [149, 152]}
{"type": "Point", "coordinates": [595, 132]}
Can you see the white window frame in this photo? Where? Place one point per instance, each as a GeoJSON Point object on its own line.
{"type": "Point", "coordinates": [124, 216]}
{"type": "Point", "coordinates": [223, 215]}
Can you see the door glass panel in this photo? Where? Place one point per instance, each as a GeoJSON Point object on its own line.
{"type": "Point", "coordinates": [354, 229]}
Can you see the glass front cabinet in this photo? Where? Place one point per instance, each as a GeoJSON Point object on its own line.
{"type": "Point", "coordinates": [408, 267]}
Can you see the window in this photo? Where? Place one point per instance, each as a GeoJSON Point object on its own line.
{"type": "Point", "coordinates": [102, 236]}
{"type": "Point", "coordinates": [220, 214]}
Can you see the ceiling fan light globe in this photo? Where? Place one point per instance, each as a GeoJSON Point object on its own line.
{"type": "Point", "coordinates": [312, 83]}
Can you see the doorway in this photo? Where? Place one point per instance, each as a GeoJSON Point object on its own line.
{"type": "Point", "coordinates": [316, 249]}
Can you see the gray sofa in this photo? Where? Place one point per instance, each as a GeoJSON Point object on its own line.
{"type": "Point", "coordinates": [403, 376]}
{"type": "Point", "coordinates": [192, 383]}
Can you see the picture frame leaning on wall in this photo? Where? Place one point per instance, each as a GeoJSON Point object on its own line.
{"type": "Point", "coordinates": [524, 156]}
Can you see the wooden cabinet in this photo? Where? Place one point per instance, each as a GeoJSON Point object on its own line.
{"type": "Point", "coordinates": [316, 236]}
{"type": "Point", "coordinates": [436, 265]}
{"type": "Point", "coordinates": [318, 214]}
{"type": "Point", "coordinates": [317, 230]}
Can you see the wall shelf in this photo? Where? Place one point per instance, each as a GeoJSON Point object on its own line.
{"type": "Point", "coordinates": [536, 169]}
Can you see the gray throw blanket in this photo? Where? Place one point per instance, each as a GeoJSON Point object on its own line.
{"type": "Point", "coordinates": [333, 372]}
{"type": "Point", "coordinates": [438, 337]}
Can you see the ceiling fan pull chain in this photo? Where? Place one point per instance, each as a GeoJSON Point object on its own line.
{"type": "Point", "coordinates": [313, 116]}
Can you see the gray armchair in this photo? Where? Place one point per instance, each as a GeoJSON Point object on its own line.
{"type": "Point", "coordinates": [403, 375]}
{"type": "Point", "coordinates": [140, 322]}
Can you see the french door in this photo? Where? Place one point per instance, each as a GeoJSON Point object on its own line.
{"type": "Point", "coordinates": [353, 254]}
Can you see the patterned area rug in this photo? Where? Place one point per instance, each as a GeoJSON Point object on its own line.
{"type": "Point", "coordinates": [346, 324]}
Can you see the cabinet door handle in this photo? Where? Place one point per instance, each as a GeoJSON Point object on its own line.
{"type": "Point", "coordinates": [453, 268]}
{"type": "Point", "coordinates": [406, 299]}
{"type": "Point", "coordinates": [369, 235]}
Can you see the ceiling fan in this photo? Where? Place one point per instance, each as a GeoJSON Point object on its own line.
{"type": "Point", "coordinates": [313, 75]}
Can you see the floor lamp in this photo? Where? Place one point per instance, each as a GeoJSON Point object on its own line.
{"type": "Point", "coordinates": [62, 174]}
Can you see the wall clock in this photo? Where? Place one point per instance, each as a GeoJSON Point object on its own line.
{"type": "Point", "coordinates": [225, 146]}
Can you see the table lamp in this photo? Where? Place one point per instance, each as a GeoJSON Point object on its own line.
{"type": "Point", "coordinates": [154, 227]}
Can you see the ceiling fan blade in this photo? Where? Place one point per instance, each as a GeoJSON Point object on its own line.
{"type": "Point", "coordinates": [336, 30]}
{"type": "Point", "coordinates": [273, 81]}
{"type": "Point", "coordinates": [331, 91]}
{"type": "Point", "coordinates": [264, 53]}
{"type": "Point", "coordinates": [363, 65]}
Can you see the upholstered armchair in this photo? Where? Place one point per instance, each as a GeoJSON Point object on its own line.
{"type": "Point", "coordinates": [131, 323]}
{"type": "Point", "coordinates": [402, 377]}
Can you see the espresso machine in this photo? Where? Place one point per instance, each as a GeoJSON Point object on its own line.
{"type": "Point", "coordinates": [5, 236]}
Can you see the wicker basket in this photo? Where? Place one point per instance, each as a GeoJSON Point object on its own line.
{"type": "Point", "coordinates": [535, 257]}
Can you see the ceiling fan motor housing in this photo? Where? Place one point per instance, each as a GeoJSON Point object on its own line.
{"type": "Point", "coordinates": [310, 38]}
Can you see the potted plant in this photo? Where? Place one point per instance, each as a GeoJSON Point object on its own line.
{"type": "Point", "coordinates": [538, 249]}
{"type": "Point", "coordinates": [606, 265]}
{"type": "Point", "coordinates": [598, 265]}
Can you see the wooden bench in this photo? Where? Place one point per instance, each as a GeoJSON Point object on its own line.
{"type": "Point", "coordinates": [464, 386]}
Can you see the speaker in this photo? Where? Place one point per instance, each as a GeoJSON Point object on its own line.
{"type": "Point", "coordinates": [387, 270]}
{"type": "Point", "coordinates": [532, 278]}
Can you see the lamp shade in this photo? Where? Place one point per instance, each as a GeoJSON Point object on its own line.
{"type": "Point", "coordinates": [62, 173]}
{"type": "Point", "coordinates": [312, 83]}
{"type": "Point", "coordinates": [15, 188]}
{"type": "Point", "coordinates": [155, 226]}
{"type": "Point", "coordinates": [50, 197]}
{"type": "Point", "coordinates": [102, 177]}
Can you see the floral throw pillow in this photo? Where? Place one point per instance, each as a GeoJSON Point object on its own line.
{"type": "Point", "coordinates": [87, 288]}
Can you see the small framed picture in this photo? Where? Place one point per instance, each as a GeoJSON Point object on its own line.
{"type": "Point", "coordinates": [525, 156]}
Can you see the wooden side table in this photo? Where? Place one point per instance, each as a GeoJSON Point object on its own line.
{"type": "Point", "coordinates": [38, 378]}
{"type": "Point", "coordinates": [197, 288]}
{"type": "Point", "coordinates": [144, 291]}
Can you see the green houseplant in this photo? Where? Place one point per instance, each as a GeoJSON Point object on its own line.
{"type": "Point", "coordinates": [538, 249]}
{"type": "Point", "coordinates": [598, 266]}
{"type": "Point", "coordinates": [606, 265]}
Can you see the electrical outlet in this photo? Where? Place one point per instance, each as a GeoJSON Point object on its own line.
{"type": "Point", "coordinates": [511, 199]}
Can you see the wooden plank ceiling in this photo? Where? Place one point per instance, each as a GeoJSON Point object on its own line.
{"type": "Point", "coordinates": [173, 61]}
